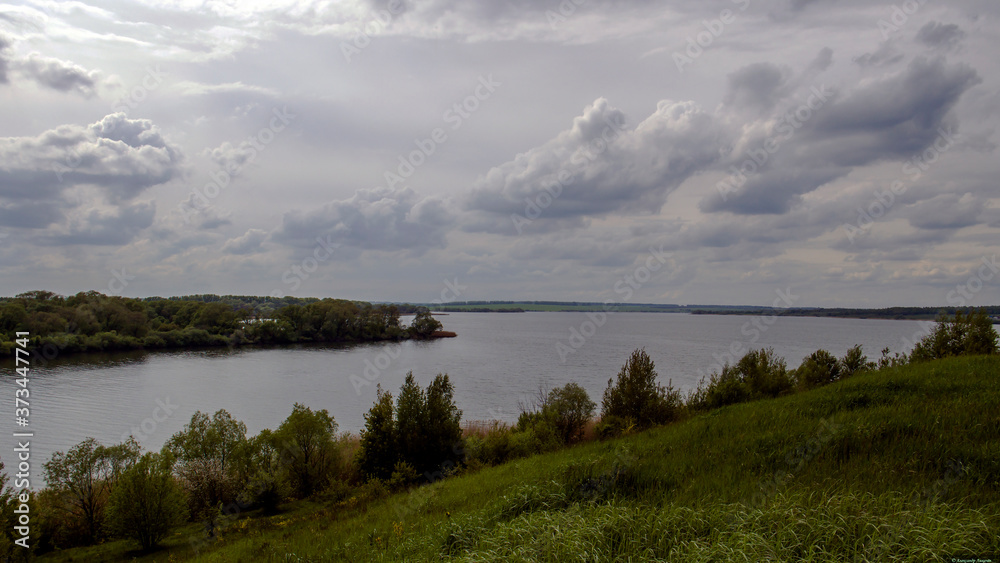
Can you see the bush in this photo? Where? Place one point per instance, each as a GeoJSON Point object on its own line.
{"type": "Point", "coordinates": [854, 361]}
{"type": "Point", "coordinates": [146, 502]}
{"type": "Point", "coordinates": [614, 426]}
{"type": "Point", "coordinates": [636, 396]}
{"type": "Point", "coordinates": [969, 333]}
{"type": "Point", "coordinates": [568, 408]}
{"type": "Point", "coordinates": [306, 441]}
{"type": "Point", "coordinates": [819, 368]}
{"type": "Point", "coordinates": [765, 373]}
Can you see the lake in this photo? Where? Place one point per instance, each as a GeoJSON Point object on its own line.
{"type": "Point", "coordinates": [497, 361]}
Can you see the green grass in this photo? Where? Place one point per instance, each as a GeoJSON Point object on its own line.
{"type": "Point", "coordinates": [897, 465]}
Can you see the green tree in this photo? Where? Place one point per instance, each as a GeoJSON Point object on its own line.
{"type": "Point", "coordinates": [205, 438]}
{"type": "Point", "coordinates": [308, 448]}
{"type": "Point", "coordinates": [636, 396]}
{"type": "Point", "coordinates": [84, 477]}
{"type": "Point", "coordinates": [146, 503]}
{"type": "Point", "coordinates": [411, 423]}
{"type": "Point", "coordinates": [378, 456]}
{"type": "Point", "coordinates": [967, 333]}
{"type": "Point", "coordinates": [443, 426]}
{"type": "Point", "coordinates": [424, 325]}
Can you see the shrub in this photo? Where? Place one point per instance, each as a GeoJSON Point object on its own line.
{"type": "Point", "coordinates": [854, 361]}
{"type": "Point", "coordinates": [377, 455]}
{"type": "Point", "coordinates": [727, 388]}
{"type": "Point", "coordinates": [146, 502]}
{"type": "Point", "coordinates": [765, 373]}
{"type": "Point", "coordinates": [819, 368]}
{"type": "Point", "coordinates": [637, 396]}
{"type": "Point", "coordinates": [969, 333]}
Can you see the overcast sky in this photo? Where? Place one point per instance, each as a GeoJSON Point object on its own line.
{"type": "Point", "coordinates": [675, 152]}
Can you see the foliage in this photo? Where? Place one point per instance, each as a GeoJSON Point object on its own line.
{"type": "Point", "coordinates": [818, 368]}
{"type": "Point", "coordinates": [565, 411]}
{"type": "Point", "coordinates": [967, 333]}
{"type": "Point", "coordinates": [83, 478]}
{"type": "Point", "coordinates": [636, 396]}
{"type": "Point", "coordinates": [92, 321]}
{"type": "Point", "coordinates": [758, 374]}
{"type": "Point", "coordinates": [423, 430]}
{"type": "Point", "coordinates": [306, 441]}
{"type": "Point", "coordinates": [146, 503]}
{"type": "Point", "coordinates": [378, 439]}
{"type": "Point", "coordinates": [424, 325]}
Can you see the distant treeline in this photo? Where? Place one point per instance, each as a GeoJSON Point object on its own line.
{"type": "Point", "coordinates": [92, 321]}
{"type": "Point", "coordinates": [480, 310]}
{"type": "Point", "coordinates": [896, 313]}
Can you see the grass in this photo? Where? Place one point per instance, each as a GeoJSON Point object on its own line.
{"type": "Point", "coordinates": [897, 465]}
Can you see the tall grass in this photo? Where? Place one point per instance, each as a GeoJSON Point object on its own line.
{"type": "Point", "coordinates": [897, 465]}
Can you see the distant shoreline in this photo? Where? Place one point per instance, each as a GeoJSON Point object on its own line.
{"type": "Point", "coordinates": [890, 313]}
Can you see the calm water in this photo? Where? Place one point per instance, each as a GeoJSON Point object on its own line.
{"type": "Point", "coordinates": [496, 361]}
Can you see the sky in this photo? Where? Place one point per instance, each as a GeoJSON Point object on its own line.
{"type": "Point", "coordinates": [833, 153]}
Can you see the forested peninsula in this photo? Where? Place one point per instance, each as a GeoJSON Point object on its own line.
{"type": "Point", "coordinates": [91, 322]}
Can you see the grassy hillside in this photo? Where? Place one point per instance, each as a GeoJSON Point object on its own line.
{"type": "Point", "coordinates": [897, 465]}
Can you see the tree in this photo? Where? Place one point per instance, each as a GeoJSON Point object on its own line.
{"type": "Point", "coordinates": [563, 411]}
{"type": "Point", "coordinates": [208, 439]}
{"type": "Point", "coordinates": [257, 464]}
{"type": "Point", "coordinates": [424, 325]}
{"type": "Point", "coordinates": [411, 422]}
{"type": "Point", "coordinates": [84, 477]}
{"type": "Point", "coordinates": [968, 333]}
{"type": "Point", "coordinates": [308, 448]}
{"type": "Point", "coordinates": [378, 456]}
{"type": "Point", "coordinates": [764, 372]}
{"type": "Point", "coordinates": [637, 397]}
{"type": "Point", "coordinates": [146, 502]}
{"type": "Point", "coordinates": [443, 430]}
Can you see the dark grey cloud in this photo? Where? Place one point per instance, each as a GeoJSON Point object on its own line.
{"type": "Point", "coordinates": [59, 75]}
{"type": "Point", "coordinates": [758, 86]}
{"type": "Point", "coordinates": [885, 55]}
{"type": "Point", "coordinates": [372, 219]}
{"type": "Point", "coordinates": [945, 211]}
{"type": "Point", "coordinates": [599, 166]}
{"type": "Point", "coordinates": [4, 62]}
{"type": "Point", "coordinates": [890, 119]}
{"type": "Point", "coordinates": [939, 35]}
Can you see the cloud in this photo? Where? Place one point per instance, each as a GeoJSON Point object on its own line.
{"type": "Point", "coordinates": [116, 226]}
{"type": "Point", "coordinates": [121, 156]}
{"type": "Point", "coordinates": [941, 36]}
{"type": "Point", "coordinates": [372, 219]}
{"type": "Point", "coordinates": [247, 243]}
{"type": "Point", "coordinates": [59, 75]}
{"type": "Point", "coordinates": [599, 167]}
{"type": "Point", "coordinates": [885, 55]}
{"type": "Point", "coordinates": [4, 63]}
{"type": "Point", "coordinates": [888, 119]}
{"type": "Point", "coordinates": [758, 86]}
{"type": "Point", "coordinates": [946, 211]}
